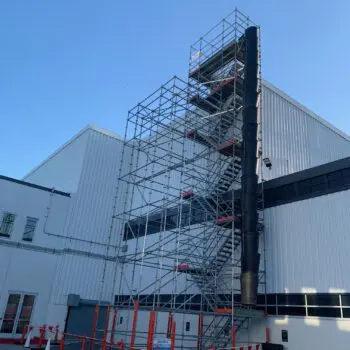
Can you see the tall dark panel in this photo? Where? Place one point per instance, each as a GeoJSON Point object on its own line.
{"type": "Point", "coordinates": [250, 244]}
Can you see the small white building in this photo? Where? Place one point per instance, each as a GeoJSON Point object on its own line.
{"type": "Point", "coordinates": [32, 220]}
{"type": "Point", "coordinates": [58, 242]}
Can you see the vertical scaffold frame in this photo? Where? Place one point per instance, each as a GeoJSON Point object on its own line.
{"type": "Point", "coordinates": [180, 180]}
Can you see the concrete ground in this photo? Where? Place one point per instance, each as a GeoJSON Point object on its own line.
{"type": "Point", "coordinates": [53, 347]}
{"type": "Point", "coordinates": [20, 347]}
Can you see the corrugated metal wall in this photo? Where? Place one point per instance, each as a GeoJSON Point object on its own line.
{"type": "Point", "coordinates": [294, 138]}
{"type": "Point", "coordinates": [89, 221]}
{"type": "Point", "coordinates": [308, 245]}
{"type": "Point", "coordinates": [91, 210]}
{"type": "Point", "coordinates": [63, 168]}
{"type": "Point", "coordinates": [83, 276]}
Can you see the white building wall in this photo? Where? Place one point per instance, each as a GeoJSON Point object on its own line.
{"type": "Point", "coordinates": [294, 138]}
{"type": "Point", "coordinates": [82, 275]}
{"type": "Point", "coordinates": [63, 168]}
{"type": "Point", "coordinates": [304, 333]}
{"type": "Point", "coordinates": [24, 271]}
{"type": "Point", "coordinates": [30, 267]}
{"type": "Point", "coordinates": [79, 232]}
{"type": "Point", "coordinates": [50, 208]}
{"type": "Point", "coordinates": [89, 223]}
{"type": "Point", "coordinates": [307, 245]}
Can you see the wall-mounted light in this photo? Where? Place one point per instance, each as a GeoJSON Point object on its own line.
{"type": "Point", "coordinates": [267, 162]}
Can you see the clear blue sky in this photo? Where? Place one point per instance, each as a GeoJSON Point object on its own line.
{"type": "Point", "coordinates": [67, 63]}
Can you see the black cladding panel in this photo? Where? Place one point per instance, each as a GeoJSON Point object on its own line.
{"type": "Point", "coordinates": [270, 346]}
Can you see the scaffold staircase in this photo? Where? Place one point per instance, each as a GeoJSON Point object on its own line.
{"type": "Point", "coordinates": [192, 138]}
{"type": "Point", "coordinates": [222, 98]}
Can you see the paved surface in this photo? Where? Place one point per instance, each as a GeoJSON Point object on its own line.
{"type": "Point", "coordinates": [20, 347]}
{"type": "Point", "coordinates": [53, 347]}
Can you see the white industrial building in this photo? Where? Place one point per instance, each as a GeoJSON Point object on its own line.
{"type": "Point", "coordinates": [63, 246]}
{"type": "Point", "coordinates": [70, 249]}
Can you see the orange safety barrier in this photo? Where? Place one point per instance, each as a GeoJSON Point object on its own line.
{"type": "Point", "coordinates": [57, 330]}
{"type": "Point", "coordinates": [62, 342]}
{"type": "Point", "coordinates": [170, 324]}
{"type": "Point", "coordinates": [45, 334]}
{"type": "Point", "coordinates": [134, 323]}
{"type": "Point", "coordinates": [94, 325]}
{"type": "Point", "coordinates": [233, 337]}
{"type": "Point", "coordinates": [151, 326]}
{"type": "Point", "coordinates": [200, 332]}
{"type": "Point", "coordinates": [268, 335]}
{"type": "Point", "coordinates": [105, 332]}
{"type": "Point", "coordinates": [173, 330]}
{"type": "Point", "coordinates": [83, 343]}
{"type": "Point", "coordinates": [98, 343]}
{"type": "Point", "coordinates": [121, 345]}
{"type": "Point", "coordinates": [84, 339]}
{"type": "Point", "coordinates": [113, 327]}
{"type": "Point", "coordinates": [42, 331]}
{"type": "Point", "coordinates": [22, 339]}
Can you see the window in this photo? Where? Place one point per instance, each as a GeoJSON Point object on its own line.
{"type": "Point", "coordinates": [121, 320]}
{"type": "Point", "coordinates": [345, 299]}
{"type": "Point", "coordinates": [324, 311]}
{"type": "Point", "coordinates": [188, 326]}
{"type": "Point", "coordinates": [17, 313]}
{"type": "Point", "coordinates": [292, 311]}
{"type": "Point", "coordinates": [10, 313]}
{"type": "Point", "coordinates": [291, 299]}
{"type": "Point", "coordinates": [323, 299]}
{"type": "Point", "coordinates": [29, 229]}
{"type": "Point", "coordinates": [6, 225]}
{"type": "Point", "coordinates": [25, 314]}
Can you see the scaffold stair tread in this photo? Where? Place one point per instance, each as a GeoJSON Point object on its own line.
{"type": "Point", "coordinates": [231, 51]}
{"type": "Point", "coordinates": [213, 103]}
{"type": "Point", "coordinates": [229, 147]}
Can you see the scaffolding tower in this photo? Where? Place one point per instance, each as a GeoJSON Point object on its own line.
{"type": "Point", "coordinates": [182, 201]}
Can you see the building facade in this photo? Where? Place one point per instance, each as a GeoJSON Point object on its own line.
{"type": "Point", "coordinates": [57, 236]}
{"type": "Point", "coordinates": [159, 215]}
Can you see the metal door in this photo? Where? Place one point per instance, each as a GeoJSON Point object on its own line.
{"type": "Point", "coordinates": [80, 322]}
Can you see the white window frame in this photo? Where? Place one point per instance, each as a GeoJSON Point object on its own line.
{"type": "Point", "coordinates": [24, 232]}
{"type": "Point", "coordinates": [20, 304]}
{"type": "Point", "coordinates": [1, 222]}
